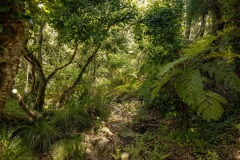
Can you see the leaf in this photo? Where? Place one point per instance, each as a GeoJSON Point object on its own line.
{"type": "Point", "coordinates": [217, 97]}
{"type": "Point", "coordinates": [200, 46]}
{"type": "Point", "coordinates": [222, 72]}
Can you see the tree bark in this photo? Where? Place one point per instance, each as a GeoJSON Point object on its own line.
{"type": "Point", "coordinates": [12, 45]}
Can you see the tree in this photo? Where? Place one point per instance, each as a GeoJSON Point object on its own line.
{"type": "Point", "coordinates": [12, 39]}
{"type": "Point", "coordinates": [96, 20]}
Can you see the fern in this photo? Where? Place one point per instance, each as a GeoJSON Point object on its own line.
{"type": "Point", "coordinates": [189, 86]}
{"type": "Point", "coordinates": [165, 69]}
{"type": "Point", "coordinates": [190, 89]}
{"type": "Point", "coordinates": [158, 85]}
{"type": "Point", "coordinates": [166, 73]}
{"type": "Point", "coordinates": [228, 55]}
{"type": "Point", "coordinates": [209, 105]}
{"type": "Point", "coordinates": [190, 82]}
{"type": "Point", "coordinates": [223, 73]}
{"type": "Point", "coordinates": [200, 46]}
{"type": "Point", "coordinates": [232, 81]}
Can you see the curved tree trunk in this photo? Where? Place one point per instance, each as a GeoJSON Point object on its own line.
{"type": "Point", "coordinates": [12, 46]}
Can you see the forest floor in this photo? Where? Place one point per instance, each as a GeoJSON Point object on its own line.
{"type": "Point", "coordinates": [105, 141]}
{"type": "Point", "coordinates": [128, 135]}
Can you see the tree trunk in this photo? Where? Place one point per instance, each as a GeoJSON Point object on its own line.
{"type": "Point", "coordinates": [12, 45]}
{"type": "Point", "coordinates": [188, 28]}
{"type": "Point", "coordinates": [188, 22]}
{"type": "Point", "coordinates": [41, 96]}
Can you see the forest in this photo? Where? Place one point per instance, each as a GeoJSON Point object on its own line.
{"type": "Point", "coordinates": [119, 79]}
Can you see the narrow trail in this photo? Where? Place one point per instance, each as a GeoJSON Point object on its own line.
{"type": "Point", "coordinates": [112, 135]}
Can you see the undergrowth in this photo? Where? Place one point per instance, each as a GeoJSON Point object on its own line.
{"type": "Point", "coordinates": [167, 140]}
{"type": "Point", "coordinates": [11, 146]}
{"type": "Point", "coordinates": [79, 114]}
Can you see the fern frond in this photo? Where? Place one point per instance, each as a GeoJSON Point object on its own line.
{"type": "Point", "coordinates": [170, 66]}
{"type": "Point", "coordinates": [222, 72]}
{"type": "Point", "coordinates": [209, 105]}
{"type": "Point", "coordinates": [228, 55]}
{"type": "Point", "coordinates": [158, 85]}
{"type": "Point", "coordinates": [200, 46]}
{"type": "Point", "coordinates": [190, 86]}
{"type": "Point", "coordinates": [232, 81]}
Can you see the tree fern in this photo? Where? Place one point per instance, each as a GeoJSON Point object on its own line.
{"type": "Point", "coordinates": [223, 73]}
{"type": "Point", "coordinates": [200, 46]}
{"type": "Point", "coordinates": [232, 81]}
{"type": "Point", "coordinates": [209, 105]}
{"type": "Point", "coordinates": [189, 86]}
{"type": "Point", "coordinates": [191, 78]}
{"type": "Point", "coordinates": [158, 85]}
{"type": "Point", "coordinates": [165, 69]}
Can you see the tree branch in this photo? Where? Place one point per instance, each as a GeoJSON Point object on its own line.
{"type": "Point", "coordinates": [65, 65]}
{"type": "Point", "coordinates": [22, 105]}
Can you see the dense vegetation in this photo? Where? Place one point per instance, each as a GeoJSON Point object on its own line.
{"type": "Point", "coordinates": [65, 66]}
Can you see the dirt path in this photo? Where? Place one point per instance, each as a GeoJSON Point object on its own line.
{"type": "Point", "coordinates": [112, 135]}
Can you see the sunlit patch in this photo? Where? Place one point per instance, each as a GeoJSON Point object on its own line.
{"type": "Point", "coordinates": [14, 91]}
{"type": "Point", "coordinates": [40, 5]}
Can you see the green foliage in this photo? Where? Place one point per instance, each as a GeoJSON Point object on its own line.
{"type": "Point", "coordinates": [72, 148]}
{"type": "Point", "coordinates": [164, 139]}
{"type": "Point", "coordinates": [192, 79]}
{"type": "Point", "coordinates": [71, 120]}
{"type": "Point", "coordinates": [223, 73]}
{"type": "Point", "coordinates": [11, 145]}
{"type": "Point", "coordinates": [40, 136]}
{"type": "Point", "coordinates": [210, 105]}
{"type": "Point", "coordinates": [96, 18]}
{"type": "Point", "coordinates": [159, 33]}
{"type": "Point", "coordinates": [164, 23]}
{"type": "Point", "coordinates": [82, 110]}
{"type": "Point", "coordinates": [13, 111]}
{"type": "Point", "coordinates": [200, 46]}
{"type": "Point", "coordinates": [189, 86]}
{"type": "Point", "coordinates": [144, 147]}
{"type": "Point", "coordinates": [75, 150]}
